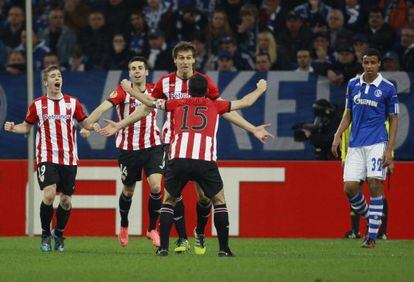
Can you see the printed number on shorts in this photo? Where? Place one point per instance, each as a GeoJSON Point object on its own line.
{"type": "Point", "coordinates": [41, 170]}
{"type": "Point", "coordinates": [376, 164]}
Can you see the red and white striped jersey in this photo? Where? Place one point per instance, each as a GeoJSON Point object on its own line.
{"type": "Point", "coordinates": [140, 135]}
{"type": "Point", "coordinates": [195, 127]}
{"type": "Point", "coordinates": [171, 86]}
{"type": "Point", "coordinates": [56, 131]}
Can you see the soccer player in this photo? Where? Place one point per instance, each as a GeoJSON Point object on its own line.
{"type": "Point", "coordinates": [193, 152]}
{"type": "Point", "coordinates": [175, 86]}
{"type": "Point", "coordinates": [140, 148]}
{"type": "Point", "coordinates": [56, 151]}
{"type": "Point", "coordinates": [370, 100]}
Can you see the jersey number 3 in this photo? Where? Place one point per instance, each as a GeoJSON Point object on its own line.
{"type": "Point", "coordinates": [198, 113]}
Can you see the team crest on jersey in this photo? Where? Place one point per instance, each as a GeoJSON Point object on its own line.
{"type": "Point", "coordinates": [68, 106]}
{"type": "Point", "coordinates": [378, 93]}
{"type": "Point", "coordinates": [113, 94]}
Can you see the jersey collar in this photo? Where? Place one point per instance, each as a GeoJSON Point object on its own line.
{"type": "Point", "coordinates": [376, 81]}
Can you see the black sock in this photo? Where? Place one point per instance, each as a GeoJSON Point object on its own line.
{"type": "Point", "coordinates": [124, 205]}
{"type": "Point", "coordinates": [355, 221]}
{"type": "Point", "coordinates": [166, 221]}
{"type": "Point", "coordinates": [46, 214]}
{"type": "Point", "coordinates": [154, 205]}
{"type": "Point", "coordinates": [179, 219]}
{"type": "Point", "coordinates": [203, 213]}
{"type": "Point", "coordinates": [62, 217]}
{"type": "Point", "coordinates": [221, 222]}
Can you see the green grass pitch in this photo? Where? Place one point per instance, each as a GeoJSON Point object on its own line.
{"type": "Point", "coordinates": [102, 259]}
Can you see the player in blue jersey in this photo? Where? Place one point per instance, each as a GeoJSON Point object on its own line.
{"type": "Point", "coordinates": [370, 101]}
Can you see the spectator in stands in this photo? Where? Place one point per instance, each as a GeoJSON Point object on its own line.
{"type": "Point", "coordinates": [390, 61]}
{"type": "Point", "coordinates": [304, 61]}
{"type": "Point", "coordinates": [314, 12]}
{"type": "Point", "coordinates": [410, 17]}
{"type": "Point", "coordinates": [78, 61]}
{"type": "Point", "coordinates": [116, 15]}
{"type": "Point", "coordinates": [346, 67]}
{"type": "Point", "coordinates": [380, 34]}
{"type": "Point", "coordinates": [137, 33]}
{"type": "Point", "coordinates": [395, 12]}
{"type": "Point", "coordinates": [15, 24]}
{"type": "Point", "coordinates": [119, 56]}
{"type": "Point", "coordinates": [185, 23]}
{"type": "Point", "coordinates": [225, 61]}
{"type": "Point", "coordinates": [3, 20]}
{"type": "Point", "coordinates": [321, 48]}
{"type": "Point", "coordinates": [58, 37]}
{"type": "Point", "coordinates": [158, 53]}
{"type": "Point", "coordinates": [360, 45]}
{"type": "Point", "coordinates": [51, 59]}
{"type": "Point", "coordinates": [263, 63]}
{"type": "Point", "coordinates": [3, 55]}
{"type": "Point", "coordinates": [95, 40]}
{"type": "Point", "coordinates": [76, 15]}
{"type": "Point", "coordinates": [338, 34]}
{"type": "Point", "coordinates": [272, 16]}
{"type": "Point", "coordinates": [354, 15]}
{"type": "Point", "coordinates": [157, 15]}
{"type": "Point", "coordinates": [247, 29]}
{"type": "Point", "coordinates": [241, 61]}
{"type": "Point", "coordinates": [296, 36]}
{"type": "Point", "coordinates": [406, 39]}
{"type": "Point", "coordinates": [266, 43]}
{"type": "Point", "coordinates": [232, 10]}
{"type": "Point", "coordinates": [40, 49]}
{"type": "Point", "coordinates": [16, 63]}
{"type": "Point", "coordinates": [218, 27]}
{"type": "Point", "coordinates": [202, 59]}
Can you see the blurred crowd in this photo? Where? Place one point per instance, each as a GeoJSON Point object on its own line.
{"type": "Point", "coordinates": [326, 37]}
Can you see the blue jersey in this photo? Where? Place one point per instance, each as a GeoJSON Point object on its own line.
{"type": "Point", "coordinates": [370, 105]}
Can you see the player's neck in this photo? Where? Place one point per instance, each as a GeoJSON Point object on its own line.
{"type": "Point", "coordinates": [369, 78]}
{"type": "Point", "coordinates": [142, 86]}
{"type": "Point", "coordinates": [185, 75]}
{"type": "Point", "coordinates": [54, 96]}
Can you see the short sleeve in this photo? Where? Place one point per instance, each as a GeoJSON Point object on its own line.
{"type": "Point", "coordinates": [213, 91]}
{"type": "Point", "coordinates": [79, 114]}
{"type": "Point", "coordinates": [348, 98]}
{"type": "Point", "coordinates": [31, 116]}
{"type": "Point", "coordinates": [157, 92]}
{"type": "Point", "coordinates": [392, 102]}
{"type": "Point", "coordinates": [117, 96]}
{"type": "Point", "coordinates": [222, 106]}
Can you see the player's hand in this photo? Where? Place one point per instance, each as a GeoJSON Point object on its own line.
{"type": "Point", "coordinates": [9, 126]}
{"type": "Point", "coordinates": [96, 127]}
{"type": "Point", "coordinates": [261, 133]}
{"type": "Point", "coordinates": [335, 145]}
{"type": "Point", "coordinates": [261, 85]}
{"type": "Point", "coordinates": [387, 158]}
{"type": "Point", "coordinates": [84, 133]}
{"type": "Point", "coordinates": [390, 168]}
{"type": "Point", "coordinates": [110, 129]}
{"type": "Point", "coordinates": [126, 85]}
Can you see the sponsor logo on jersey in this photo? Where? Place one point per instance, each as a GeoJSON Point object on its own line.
{"type": "Point", "coordinates": [358, 101]}
{"type": "Point", "coordinates": [47, 117]}
{"type": "Point", "coordinates": [68, 106]}
{"type": "Point", "coordinates": [179, 95]}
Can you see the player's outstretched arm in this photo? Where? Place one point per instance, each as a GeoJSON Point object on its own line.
{"type": "Point", "coordinates": [21, 128]}
{"type": "Point", "coordinates": [346, 120]}
{"type": "Point", "coordinates": [147, 100]}
{"type": "Point", "coordinates": [96, 115]}
{"type": "Point", "coordinates": [388, 155]}
{"type": "Point", "coordinates": [250, 98]}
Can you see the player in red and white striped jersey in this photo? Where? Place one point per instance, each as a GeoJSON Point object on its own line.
{"type": "Point", "coordinates": [139, 145]}
{"type": "Point", "coordinates": [56, 151]}
{"type": "Point", "coordinates": [192, 152]}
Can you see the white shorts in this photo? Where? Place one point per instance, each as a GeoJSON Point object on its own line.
{"type": "Point", "coordinates": [365, 162]}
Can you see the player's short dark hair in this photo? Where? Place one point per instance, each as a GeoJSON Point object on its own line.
{"type": "Point", "coordinates": [184, 46]}
{"type": "Point", "coordinates": [138, 59]}
{"type": "Point", "coordinates": [197, 86]}
{"type": "Point", "coordinates": [371, 52]}
{"type": "Point", "coordinates": [46, 71]}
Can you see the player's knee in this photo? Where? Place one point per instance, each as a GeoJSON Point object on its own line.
{"type": "Point", "coordinates": [219, 198]}
{"type": "Point", "coordinates": [66, 202]}
{"type": "Point", "coordinates": [375, 187]}
{"type": "Point", "coordinates": [204, 200]}
{"type": "Point", "coordinates": [155, 188]}
{"type": "Point", "coordinates": [49, 196]}
{"type": "Point", "coordinates": [128, 191]}
{"type": "Point", "coordinates": [350, 189]}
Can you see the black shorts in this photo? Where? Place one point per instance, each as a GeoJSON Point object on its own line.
{"type": "Point", "coordinates": [166, 156]}
{"type": "Point", "coordinates": [179, 171]}
{"type": "Point", "coordinates": [131, 164]}
{"type": "Point", "coordinates": [62, 175]}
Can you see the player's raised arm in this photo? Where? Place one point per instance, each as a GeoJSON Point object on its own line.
{"type": "Point", "coordinates": [21, 128]}
{"type": "Point", "coordinates": [145, 99]}
{"type": "Point", "coordinates": [250, 98]}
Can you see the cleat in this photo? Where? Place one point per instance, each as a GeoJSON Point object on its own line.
{"type": "Point", "coordinates": [351, 234]}
{"type": "Point", "coordinates": [182, 246]}
{"type": "Point", "coordinates": [155, 237]}
{"type": "Point", "coordinates": [383, 237]}
{"type": "Point", "coordinates": [368, 243]}
{"type": "Point", "coordinates": [123, 236]}
{"type": "Point", "coordinates": [46, 244]}
{"type": "Point", "coordinates": [200, 244]}
{"type": "Point", "coordinates": [161, 253]}
{"type": "Point", "coordinates": [227, 253]}
{"type": "Point", "coordinates": [59, 244]}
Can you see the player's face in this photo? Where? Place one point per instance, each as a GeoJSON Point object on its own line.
{"type": "Point", "coordinates": [184, 62]}
{"type": "Point", "coordinates": [371, 65]}
{"type": "Point", "coordinates": [54, 82]}
{"type": "Point", "coordinates": [137, 72]}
